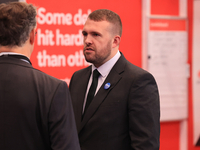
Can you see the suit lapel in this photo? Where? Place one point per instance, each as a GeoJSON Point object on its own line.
{"type": "Point", "coordinates": [113, 78]}
{"type": "Point", "coordinates": [81, 95]}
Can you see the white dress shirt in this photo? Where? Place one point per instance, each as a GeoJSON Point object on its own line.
{"type": "Point", "coordinates": [12, 53]}
{"type": "Point", "coordinates": [104, 70]}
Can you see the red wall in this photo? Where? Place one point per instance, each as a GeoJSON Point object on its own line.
{"type": "Point", "coordinates": [130, 45]}
{"type": "Point", "coordinates": [190, 103]}
{"type": "Point", "coordinates": [131, 15]}
{"type": "Point", "coordinates": [169, 136]}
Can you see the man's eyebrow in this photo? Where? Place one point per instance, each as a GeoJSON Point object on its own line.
{"type": "Point", "coordinates": [95, 32]}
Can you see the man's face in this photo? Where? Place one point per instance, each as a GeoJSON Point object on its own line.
{"type": "Point", "coordinates": [98, 40]}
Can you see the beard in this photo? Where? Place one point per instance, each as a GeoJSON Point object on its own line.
{"type": "Point", "coordinates": [98, 56]}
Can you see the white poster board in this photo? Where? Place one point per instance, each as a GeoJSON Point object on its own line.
{"type": "Point", "coordinates": [167, 52]}
{"type": "Point", "coordinates": [196, 70]}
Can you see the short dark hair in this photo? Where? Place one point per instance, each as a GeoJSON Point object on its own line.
{"type": "Point", "coordinates": [17, 19]}
{"type": "Point", "coordinates": [108, 15]}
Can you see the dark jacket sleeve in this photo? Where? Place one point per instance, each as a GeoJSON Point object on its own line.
{"type": "Point", "coordinates": [62, 128]}
{"type": "Point", "coordinates": [144, 113]}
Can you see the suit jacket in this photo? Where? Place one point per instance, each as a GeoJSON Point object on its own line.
{"type": "Point", "coordinates": [35, 109]}
{"type": "Point", "coordinates": [124, 117]}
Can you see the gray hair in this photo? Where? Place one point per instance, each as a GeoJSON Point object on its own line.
{"type": "Point", "coordinates": [17, 20]}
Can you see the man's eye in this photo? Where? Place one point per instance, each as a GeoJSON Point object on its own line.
{"type": "Point", "coordinates": [84, 34]}
{"type": "Point", "coordinates": [95, 34]}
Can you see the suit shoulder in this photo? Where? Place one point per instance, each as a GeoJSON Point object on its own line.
{"type": "Point", "coordinates": [82, 71]}
{"type": "Point", "coordinates": [136, 71]}
{"type": "Point", "coordinates": [123, 65]}
{"type": "Point", "coordinates": [43, 76]}
{"type": "Point", "coordinates": [133, 68]}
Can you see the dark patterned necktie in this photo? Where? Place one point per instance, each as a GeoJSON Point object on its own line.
{"type": "Point", "coordinates": [92, 89]}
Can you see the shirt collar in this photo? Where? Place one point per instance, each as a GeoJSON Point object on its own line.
{"type": "Point", "coordinates": [11, 53]}
{"type": "Point", "coordinates": [107, 66]}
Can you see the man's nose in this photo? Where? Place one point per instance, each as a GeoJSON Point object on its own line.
{"type": "Point", "coordinates": [88, 39]}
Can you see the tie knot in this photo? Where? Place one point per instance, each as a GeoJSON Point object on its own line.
{"type": "Point", "coordinates": [96, 73]}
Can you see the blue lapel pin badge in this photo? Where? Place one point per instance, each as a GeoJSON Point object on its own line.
{"type": "Point", "coordinates": [107, 86]}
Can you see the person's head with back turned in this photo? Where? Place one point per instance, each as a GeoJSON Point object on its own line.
{"type": "Point", "coordinates": [35, 109]}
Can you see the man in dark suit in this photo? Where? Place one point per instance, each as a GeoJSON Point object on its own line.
{"type": "Point", "coordinates": [124, 112]}
{"type": "Point", "coordinates": [35, 109]}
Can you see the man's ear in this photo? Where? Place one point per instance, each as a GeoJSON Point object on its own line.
{"type": "Point", "coordinates": [116, 41]}
{"type": "Point", "coordinates": [32, 36]}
